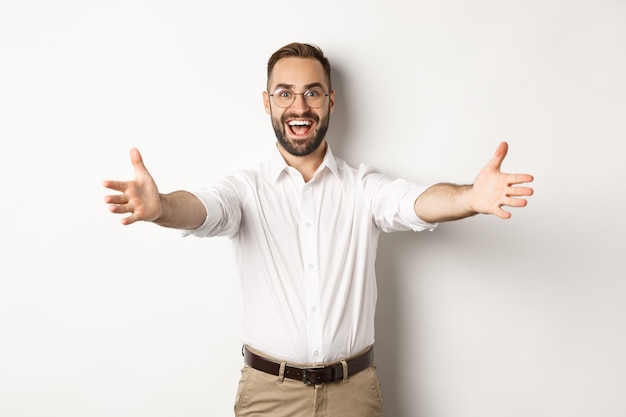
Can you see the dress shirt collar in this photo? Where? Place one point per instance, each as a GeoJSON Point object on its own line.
{"type": "Point", "coordinates": [278, 163]}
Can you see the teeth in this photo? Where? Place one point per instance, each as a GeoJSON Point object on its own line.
{"type": "Point", "coordinates": [299, 123]}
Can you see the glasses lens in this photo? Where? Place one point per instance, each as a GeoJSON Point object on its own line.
{"type": "Point", "coordinates": [313, 97]}
{"type": "Point", "coordinates": [283, 97]}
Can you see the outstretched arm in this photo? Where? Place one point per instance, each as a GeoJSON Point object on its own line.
{"type": "Point", "coordinates": [492, 190]}
{"type": "Point", "coordinates": [141, 198]}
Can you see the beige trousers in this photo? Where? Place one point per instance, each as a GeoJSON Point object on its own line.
{"type": "Point", "coordinates": [261, 394]}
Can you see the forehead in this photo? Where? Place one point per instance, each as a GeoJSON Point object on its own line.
{"type": "Point", "coordinates": [297, 72]}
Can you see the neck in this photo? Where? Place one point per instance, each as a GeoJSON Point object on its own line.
{"type": "Point", "coordinates": [308, 164]}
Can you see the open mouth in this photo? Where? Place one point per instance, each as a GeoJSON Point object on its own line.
{"type": "Point", "coordinates": [300, 127]}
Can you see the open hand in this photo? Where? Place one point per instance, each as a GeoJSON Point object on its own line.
{"type": "Point", "coordinates": [494, 189]}
{"type": "Point", "coordinates": [139, 197]}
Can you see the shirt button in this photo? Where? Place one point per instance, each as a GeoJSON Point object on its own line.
{"type": "Point", "coordinates": [314, 309]}
{"type": "Point", "coordinates": [310, 266]}
{"type": "Point", "coordinates": [316, 353]}
{"type": "Point", "coordinates": [307, 224]}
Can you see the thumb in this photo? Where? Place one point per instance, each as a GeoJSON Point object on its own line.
{"type": "Point", "coordinates": [498, 157]}
{"type": "Point", "coordinates": [137, 161]}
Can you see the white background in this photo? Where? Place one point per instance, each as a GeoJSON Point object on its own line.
{"type": "Point", "coordinates": [483, 317]}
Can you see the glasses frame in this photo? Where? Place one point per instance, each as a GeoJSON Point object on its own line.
{"type": "Point", "coordinates": [294, 97]}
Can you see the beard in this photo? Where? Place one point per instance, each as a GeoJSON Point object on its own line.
{"type": "Point", "coordinates": [301, 147]}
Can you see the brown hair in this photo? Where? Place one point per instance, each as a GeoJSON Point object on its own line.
{"type": "Point", "coordinates": [299, 50]}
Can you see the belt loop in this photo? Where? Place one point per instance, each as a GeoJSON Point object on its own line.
{"type": "Point", "coordinates": [281, 372]}
{"type": "Point", "coordinates": [345, 370]}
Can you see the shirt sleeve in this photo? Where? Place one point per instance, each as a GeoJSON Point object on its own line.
{"type": "Point", "coordinates": [393, 201]}
{"type": "Point", "coordinates": [223, 208]}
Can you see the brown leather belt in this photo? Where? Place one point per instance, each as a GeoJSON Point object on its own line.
{"type": "Point", "coordinates": [310, 375]}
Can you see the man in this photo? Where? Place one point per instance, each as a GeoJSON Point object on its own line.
{"type": "Point", "coordinates": [304, 226]}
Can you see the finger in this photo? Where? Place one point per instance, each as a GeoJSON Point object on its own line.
{"type": "Point", "coordinates": [137, 161]}
{"type": "Point", "coordinates": [115, 185]}
{"type": "Point", "coordinates": [520, 191]}
{"type": "Point", "coordinates": [498, 157]}
{"type": "Point", "coordinates": [503, 214]}
{"type": "Point", "coordinates": [515, 202]}
{"type": "Point", "coordinates": [128, 220]}
{"type": "Point", "coordinates": [116, 199]}
{"type": "Point", "coordinates": [120, 208]}
{"type": "Point", "coordinates": [519, 178]}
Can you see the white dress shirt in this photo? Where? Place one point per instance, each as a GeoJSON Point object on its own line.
{"type": "Point", "coordinates": [305, 252]}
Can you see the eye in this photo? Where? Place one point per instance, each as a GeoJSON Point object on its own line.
{"type": "Point", "coordinates": [283, 93]}
{"type": "Point", "coordinates": [313, 93]}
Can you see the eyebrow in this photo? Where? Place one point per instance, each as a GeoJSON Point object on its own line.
{"type": "Point", "coordinates": [306, 87]}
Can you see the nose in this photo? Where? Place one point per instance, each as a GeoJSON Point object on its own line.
{"type": "Point", "coordinates": [299, 103]}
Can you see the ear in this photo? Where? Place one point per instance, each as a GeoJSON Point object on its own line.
{"type": "Point", "coordinates": [266, 102]}
{"type": "Point", "coordinates": [331, 98]}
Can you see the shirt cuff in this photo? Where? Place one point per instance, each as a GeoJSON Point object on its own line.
{"type": "Point", "coordinates": [204, 225]}
{"type": "Point", "coordinates": [407, 209]}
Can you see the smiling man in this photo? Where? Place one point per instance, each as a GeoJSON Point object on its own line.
{"type": "Point", "coordinates": [300, 120]}
{"type": "Point", "coordinates": [305, 227]}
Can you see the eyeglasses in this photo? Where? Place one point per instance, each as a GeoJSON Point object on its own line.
{"type": "Point", "coordinates": [313, 97]}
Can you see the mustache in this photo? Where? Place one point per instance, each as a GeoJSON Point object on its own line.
{"type": "Point", "coordinates": [304, 115]}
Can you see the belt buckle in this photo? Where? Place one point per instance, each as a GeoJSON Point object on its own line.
{"type": "Point", "coordinates": [312, 371]}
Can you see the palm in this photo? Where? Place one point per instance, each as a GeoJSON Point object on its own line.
{"type": "Point", "coordinates": [139, 197]}
{"type": "Point", "coordinates": [494, 189]}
